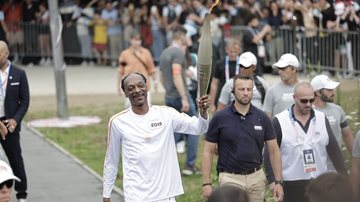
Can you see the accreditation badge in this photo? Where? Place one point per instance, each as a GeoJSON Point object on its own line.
{"type": "Point", "coordinates": [309, 161]}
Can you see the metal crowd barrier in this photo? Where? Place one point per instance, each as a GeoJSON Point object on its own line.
{"type": "Point", "coordinates": [317, 50]}
{"type": "Point", "coordinates": [33, 40]}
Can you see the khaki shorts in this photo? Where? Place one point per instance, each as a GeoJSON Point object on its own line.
{"type": "Point", "coordinates": [253, 184]}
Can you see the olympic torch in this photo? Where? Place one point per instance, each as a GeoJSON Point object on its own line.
{"type": "Point", "coordinates": [204, 57]}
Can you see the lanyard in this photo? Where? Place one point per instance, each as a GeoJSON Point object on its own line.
{"type": "Point", "coordinates": [296, 131]}
{"type": "Point", "coordinates": [227, 73]}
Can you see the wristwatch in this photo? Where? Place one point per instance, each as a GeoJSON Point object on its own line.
{"type": "Point", "coordinates": [279, 182]}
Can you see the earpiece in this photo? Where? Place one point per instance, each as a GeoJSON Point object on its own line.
{"type": "Point", "coordinates": [232, 91]}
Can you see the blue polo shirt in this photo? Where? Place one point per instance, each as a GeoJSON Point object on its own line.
{"type": "Point", "coordinates": [240, 138]}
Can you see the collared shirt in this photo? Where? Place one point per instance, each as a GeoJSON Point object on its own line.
{"type": "Point", "coordinates": [3, 84]}
{"type": "Point", "coordinates": [240, 138]}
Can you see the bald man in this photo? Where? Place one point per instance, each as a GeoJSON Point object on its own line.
{"type": "Point", "coordinates": [14, 103]}
{"type": "Point", "coordinates": [305, 137]}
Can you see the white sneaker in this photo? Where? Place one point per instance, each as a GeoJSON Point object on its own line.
{"type": "Point", "coordinates": [180, 147]}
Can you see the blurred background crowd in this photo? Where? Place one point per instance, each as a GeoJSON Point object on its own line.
{"type": "Point", "coordinates": [323, 34]}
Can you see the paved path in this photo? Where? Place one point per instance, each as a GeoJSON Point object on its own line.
{"type": "Point", "coordinates": [79, 80]}
{"type": "Point", "coordinates": [54, 175]}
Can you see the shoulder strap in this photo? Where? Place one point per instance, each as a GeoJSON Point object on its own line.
{"type": "Point", "coordinates": [142, 62]}
{"type": "Point", "coordinates": [260, 88]}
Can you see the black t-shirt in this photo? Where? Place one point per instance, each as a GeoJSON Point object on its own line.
{"type": "Point", "coordinates": [220, 74]}
{"type": "Point", "coordinates": [248, 45]}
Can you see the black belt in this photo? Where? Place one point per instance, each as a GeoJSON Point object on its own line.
{"type": "Point", "coordinates": [242, 172]}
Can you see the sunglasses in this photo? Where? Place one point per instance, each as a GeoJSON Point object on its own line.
{"type": "Point", "coordinates": [283, 68]}
{"type": "Point", "coordinates": [245, 67]}
{"type": "Point", "coordinates": [305, 101]}
{"type": "Point", "coordinates": [8, 183]}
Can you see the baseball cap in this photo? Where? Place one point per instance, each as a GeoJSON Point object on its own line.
{"type": "Point", "coordinates": [247, 59]}
{"type": "Point", "coordinates": [323, 81]}
{"type": "Point", "coordinates": [287, 59]}
{"type": "Point", "coordinates": [6, 172]}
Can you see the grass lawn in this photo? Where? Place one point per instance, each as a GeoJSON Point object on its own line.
{"type": "Point", "coordinates": [88, 143]}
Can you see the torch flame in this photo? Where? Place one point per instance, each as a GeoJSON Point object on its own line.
{"type": "Point", "coordinates": [213, 5]}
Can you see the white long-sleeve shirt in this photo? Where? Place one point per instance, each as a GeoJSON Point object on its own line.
{"type": "Point", "coordinates": [149, 160]}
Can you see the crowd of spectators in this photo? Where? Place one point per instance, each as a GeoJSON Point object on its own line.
{"type": "Point", "coordinates": [100, 28]}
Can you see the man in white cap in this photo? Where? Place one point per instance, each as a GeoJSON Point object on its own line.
{"type": "Point", "coordinates": [7, 178]}
{"type": "Point", "coordinates": [280, 96]}
{"type": "Point", "coordinates": [247, 63]}
{"type": "Point", "coordinates": [324, 89]}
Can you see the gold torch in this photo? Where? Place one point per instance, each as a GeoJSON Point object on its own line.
{"type": "Point", "coordinates": [205, 55]}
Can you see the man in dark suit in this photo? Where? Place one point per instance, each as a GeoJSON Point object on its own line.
{"type": "Point", "coordinates": [14, 103]}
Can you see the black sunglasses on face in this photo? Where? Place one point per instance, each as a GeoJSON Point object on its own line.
{"type": "Point", "coordinates": [305, 101]}
{"type": "Point", "coordinates": [245, 67]}
{"type": "Point", "coordinates": [8, 183]}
